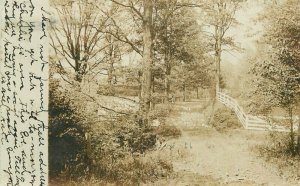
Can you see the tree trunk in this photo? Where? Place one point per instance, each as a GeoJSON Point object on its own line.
{"type": "Point", "coordinates": [140, 74]}
{"type": "Point", "coordinates": [197, 90]}
{"type": "Point", "coordinates": [147, 60]}
{"type": "Point", "coordinates": [78, 72]}
{"type": "Point", "coordinates": [218, 49]}
{"type": "Point", "coordinates": [112, 56]}
{"type": "Point", "coordinates": [110, 70]}
{"type": "Point", "coordinates": [292, 135]}
{"type": "Point", "coordinates": [298, 144]}
{"type": "Point", "coordinates": [184, 92]}
{"type": "Point", "coordinates": [152, 102]}
{"type": "Point", "coordinates": [167, 82]}
{"type": "Point", "coordinates": [168, 58]}
{"type": "Point", "coordinates": [218, 72]}
{"type": "Point", "coordinates": [78, 77]}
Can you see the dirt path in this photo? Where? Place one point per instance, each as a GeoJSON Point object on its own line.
{"type": "Point", "coordinates": [203, 156]}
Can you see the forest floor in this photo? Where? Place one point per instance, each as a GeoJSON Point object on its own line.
{"type": "Point", "coordinates": [204, 156]}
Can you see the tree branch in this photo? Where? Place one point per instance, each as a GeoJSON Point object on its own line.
{"type": "Point", "coordinates": [131, 7]}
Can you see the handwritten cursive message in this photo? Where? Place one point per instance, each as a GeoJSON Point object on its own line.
{"type": "Point", "coordinates": [24, 92]}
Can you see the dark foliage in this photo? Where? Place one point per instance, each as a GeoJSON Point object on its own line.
{"type": "Point", "coordinates": [82, 147]}
{"type": "Point", "coordinates": [67, 144]}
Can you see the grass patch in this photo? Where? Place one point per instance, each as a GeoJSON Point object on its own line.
{"type": "Point", "coordinates": [201, 131]}
{"type": "Point", "coordinates": [130, 170]}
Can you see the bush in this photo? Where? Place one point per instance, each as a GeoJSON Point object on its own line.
{"type": "Point", "coordinates": [277, 150]}
{"type": "Point", "coordinates": [278, 144]}
{"type": "Point", "coordinates": [164, 130]}
{"type": "Point", "coordinates": [120, 90]}
{"type": "Point", "coordinates": [67, 144]}
{"type": "Point", "coordinates": [168, 131]}
{"type": "Point", "coordinates": [83, 148]}
{"type": "Point", "coordinates": [224, 119]}
{"type": "Point", "coordinates": [161, 111]}
{"type": "Point", "coordinates": [131, 170]}
{"type": "Point", "coordinates": [126, 155]}
{"type": "Point", "coordinates": [136, 139]}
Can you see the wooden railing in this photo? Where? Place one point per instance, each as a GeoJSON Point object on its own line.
{"type": "Point", "coordinates": [254, 122]}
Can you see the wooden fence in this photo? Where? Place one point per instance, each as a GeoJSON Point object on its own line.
{"type": "Point", "coordinates": [255, 122]}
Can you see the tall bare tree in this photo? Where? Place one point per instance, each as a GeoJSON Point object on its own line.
{"type": "Point", "coordinates": [77, 38]}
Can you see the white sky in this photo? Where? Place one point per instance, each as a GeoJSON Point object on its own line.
{"type": "Point", "coordinates": [246, 33]}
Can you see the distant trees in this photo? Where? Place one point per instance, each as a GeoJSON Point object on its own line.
{"type": "Point", "coordinates": [191, 76]}
{"type": "Point", "coordinates": [113, 52]}
{"type": "Point", "coordinates": [166, 27]}
{"type": "Point", "coordinates": [277, 69]}
{"type": "Point", "coordinates": [177, 40]}
{"type": "Point", "coordinates": [187, 64]}
{"type": "Point", "coordinates": [171, 25]}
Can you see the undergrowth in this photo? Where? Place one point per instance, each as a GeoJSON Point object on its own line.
{"type": "Point", "coordinates": [277, 151]}
{"type": "Point", "coordinates": [164, 130]}
{"type": "Point", "coordinates": [121, 151]}
{"type": "Point", "coordinates": [224, 119]}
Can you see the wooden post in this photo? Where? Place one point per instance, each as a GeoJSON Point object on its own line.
{"type": "Point", "coordinates": [246, 122]}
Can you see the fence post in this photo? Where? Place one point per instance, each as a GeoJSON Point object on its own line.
{"type": "Point", "coordinates": [246, 121]}
{"type": "Point", "coordinates": [236, 106]}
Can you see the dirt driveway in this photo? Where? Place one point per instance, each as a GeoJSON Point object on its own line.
{"type": "Point", "coordinates": [203, 156]}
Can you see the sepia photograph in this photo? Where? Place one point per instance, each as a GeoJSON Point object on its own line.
{"type": "Point", "coordinates": [174, 92]}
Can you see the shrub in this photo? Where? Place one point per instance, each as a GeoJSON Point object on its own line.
{"type": "Point", "coordinates": [133, 170]}
{"type": "Point", "coordinates": [160, 112]}
{"type": "Point", "coordinates": [164, 130]}
{"type": "Point", "coordinates": [277, 150]}
{"type": "Point", "coordinates": [278, 144]}
{"type": "Point", "coordinates": [224, 119]}
{"type": "Point", "coordinates": [125, 156]}
{"type": "Point", "coordinates": [168, 131]}
{"type": "Point", "coordinates": [136, 139]}
{"type": "Point", "coordinates": [83, 148]}
{"type": "Point", "coordinates": [120, 90]}
{"type": "Point", "coordinates": [67, 145]}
